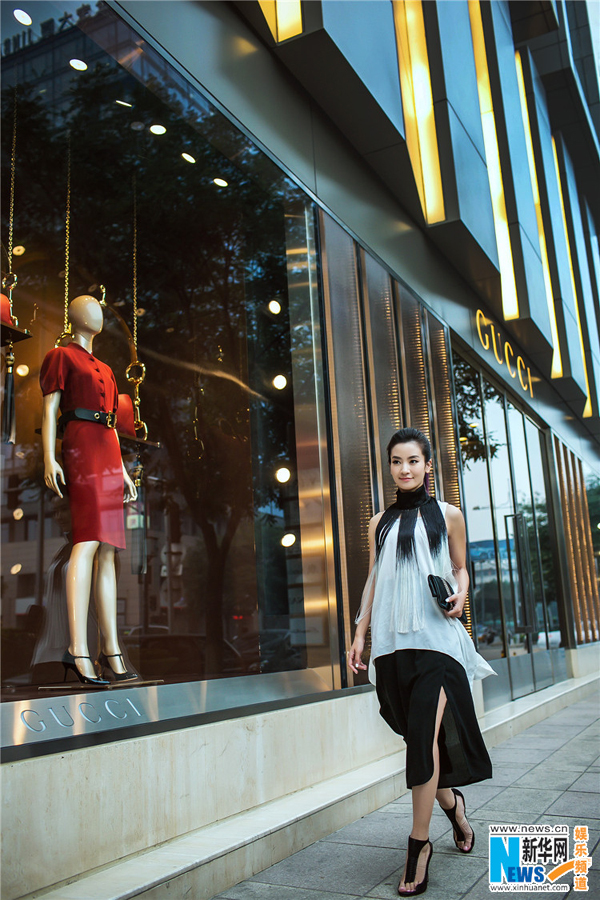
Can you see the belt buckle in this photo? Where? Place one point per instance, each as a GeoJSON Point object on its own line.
{"type": "Point", "coordinates": [111, 420]}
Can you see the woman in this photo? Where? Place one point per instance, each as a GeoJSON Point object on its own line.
{"type": "Point", "coordinates": [424, 660]}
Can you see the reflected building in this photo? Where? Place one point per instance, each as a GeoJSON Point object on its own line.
{"type": "Point", "coordinates": [369, 214]}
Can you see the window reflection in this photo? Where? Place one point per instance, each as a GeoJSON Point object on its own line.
{"type": "Point", "coordinates": [484, 590]}
{"type": "Point", "coordinates": [230, 336]}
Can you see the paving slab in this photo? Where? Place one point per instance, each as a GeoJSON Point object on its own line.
{"type": "Point", "coordinates": [352, 869]}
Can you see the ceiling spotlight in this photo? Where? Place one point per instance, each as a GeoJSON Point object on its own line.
{"type": "Point", "coordinates": [22, 17]}
{"type": "Point", "coordinates": [16, 569]}
{"type": "Point", "coordinates": [22, 370]}
{"type": "Point", "coordinates": [124, 103]}
{"type": "Point", "coordinates": [141, 311]}
{"type": "Point", "coordinates": [220, 182]}
{"type": "Point", "coordinates": [19, 250]}
{"type": "Point", "coordinates": [78, 64]}
{"type": "Point", "coordinates": [188, 157]}
{"type": "Point", "coordinates": [473, 424]}
{"type": "Point", "coordinates": [158, 129]}
{"type": "Point", "coordinates": [288, 539]}
{"type": "Point", "coordinates": [282, 475]}
{"type": "Point", "coordinates": [279, 382]}
{"type": "Point", "coordinates": [463, 440]}
{"type": "Point", "coordinates": [17, 514]}
{"type": "Point", "coordinates": [275, 307]}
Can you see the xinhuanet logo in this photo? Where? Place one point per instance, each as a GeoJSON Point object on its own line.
{"type": "Point", "coordinates": [536, 857]}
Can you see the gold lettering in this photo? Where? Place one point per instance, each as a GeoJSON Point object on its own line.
{"type": "Point", "coordinates": [530, 382]}
{"type": "Point", "coordinates": [521, 368]}
{"type": "Point", "coordinates": [481, 318]}
{"type": "Point", "coordinates": [495, 348]}
{"type": "Point", "coordinates": [509, 350]}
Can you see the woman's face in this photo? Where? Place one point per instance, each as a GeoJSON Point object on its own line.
{"type": "Point", "coordinates": [408, 466]}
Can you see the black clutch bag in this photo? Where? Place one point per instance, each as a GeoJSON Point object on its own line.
{"type": "Point", "coordinates": [441, 590]}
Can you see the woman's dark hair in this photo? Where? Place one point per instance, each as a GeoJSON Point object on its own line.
{"type": "Point", "coordinates": [404, 436]}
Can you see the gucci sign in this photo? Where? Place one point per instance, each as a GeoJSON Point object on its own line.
{"type": "Point", "coordinates": [491, 338]}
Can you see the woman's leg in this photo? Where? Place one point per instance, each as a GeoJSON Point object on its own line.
{"type": "Point", "coordinates": [447, 799]}
{"type": "Point", "coordinates": [106, 601]}
{"type": "Point", "coordinates": [423, 796]}
{"type": "Point", "coordinates": [79, 584]}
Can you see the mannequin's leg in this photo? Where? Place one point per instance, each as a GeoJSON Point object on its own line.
{"type": "Point", "coordinates": [79, 583]}
{"type": "Point", "coordinates": [106, 600]}
{"type": "Point", "coordinates": [423, 796]}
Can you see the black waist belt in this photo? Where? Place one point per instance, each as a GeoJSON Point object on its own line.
{"type": "Point", "coordinates": [108, 419]}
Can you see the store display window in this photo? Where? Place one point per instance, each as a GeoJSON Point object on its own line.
{"type": "Point", "coordinates": [204, 253]}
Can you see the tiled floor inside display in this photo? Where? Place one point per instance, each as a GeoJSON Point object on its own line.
{"type": "Point", "coordinates": [549, 773]}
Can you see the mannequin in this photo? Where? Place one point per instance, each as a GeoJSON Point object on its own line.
{"type": "Point", "coordinates": [85, 391]}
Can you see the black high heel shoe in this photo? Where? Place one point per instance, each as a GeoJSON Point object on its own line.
{"type": "Point", "coordinates": [103, 659]}
{"type": "Point", "coordinates": [459, 835]}
{"type": "Point", "coordinates": [68, 662]}
{"type": "Point", "coordinates": [414, 849]}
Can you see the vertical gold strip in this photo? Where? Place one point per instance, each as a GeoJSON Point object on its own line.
{"type": "Point", "coordinates": [417, 104]}
{"type": "Point", "coordinates": [510, 301]}
{"type": "Point", "coordinates": [587, 527]}
{"type": "Point", "coordinates": [573, 518]}
{"type": "Point", "coordinates": [587, 412]}
{"type": "Point", "coordinates": [557, 370]}
{"type": "Point", "coordinates": [568, 537]}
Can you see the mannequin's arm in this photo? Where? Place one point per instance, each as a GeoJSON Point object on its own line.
{"type": "Point", "coordinates": [52, 470]}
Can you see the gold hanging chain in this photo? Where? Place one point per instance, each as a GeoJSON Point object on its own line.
{"type": "Point", "coordinates": [9, 282]}
{"type": "Point", "coordinates": [136, 370]}
{"type": "Point", "coordinates": [13, 166]}
{"type": "Point", "coordinates": [67, 236]}
{"type": "Point", "coordinates": [135, 316]}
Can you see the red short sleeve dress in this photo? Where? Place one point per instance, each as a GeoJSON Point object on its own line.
{"type": "Point", "coordinates": [91, 453]}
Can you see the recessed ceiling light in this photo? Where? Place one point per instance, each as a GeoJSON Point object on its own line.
{"type": "Point", "coordinates": [275, 307]}
{"type": "Point", "coordinates": [288, 540]}
{"type": "Point", "coordinates": [279, 382]}
{"type": "Point", "coordinates": [124, 103]}
{"type": "Point", "coordinates": [141, 311]}
{"type": "Point", "coordinates": [220, 182]}
{"type": "Point", "coordinates": [188, 157]}
{"type": "Point", "coordinates": [282, 475]}
{"type": "Point", "coordinates": [158, 129]}
{"type": "Point", "coordinates": [22, 370]}
{"type": "Point", "coordinates": [78, 64]}
{"type": "Point", "coordinates": [22, 17]}
{"type": "Point", "coordinates": [16, 569]}
{"type": "Point", "coordinates": [19, 250]}
{"type": "Point", "coordinates": [17, 514]}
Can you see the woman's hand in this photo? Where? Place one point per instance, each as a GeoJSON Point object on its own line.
{"type": "Point", "coordinates": [52, 474]}
{"type": "Point", "coordinates": [130, 488]}
{"type": "Point", "coordinates": [459, 601]}
{"type": "Point", "coordinates": [355, 654]}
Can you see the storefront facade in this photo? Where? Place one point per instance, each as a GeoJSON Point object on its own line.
{"type": "Point", "coordinates": [322, 247]}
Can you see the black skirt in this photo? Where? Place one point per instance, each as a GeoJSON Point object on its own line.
{"type": "Point", "coordinates": [408, 684]}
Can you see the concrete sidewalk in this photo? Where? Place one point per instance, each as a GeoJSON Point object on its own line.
{"type": "Point", "coordinates": [549, 773]}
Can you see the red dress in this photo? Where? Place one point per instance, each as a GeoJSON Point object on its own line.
{"type": "Point", "coordinates": [90, 451]}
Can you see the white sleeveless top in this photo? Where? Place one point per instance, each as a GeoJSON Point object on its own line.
{"type": "Point", "coordinates": [446, 635]}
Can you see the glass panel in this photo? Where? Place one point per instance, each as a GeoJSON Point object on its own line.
{"type": "Point", "coordinates": [484, 590]}
{"type": "Point", "coordinates": [413, 351]}
{"type": "Point", "coordinates": [591, 481]}
{"type": "Point", "coordinates": [236, 493]}
{"type": "Point", "coordinates": [350, 430]}
{"type": "Point", "coordinates": [383, 367]}
{"type": "Point", "coordinates": [504, 513]}
{"type": "Point", "coordinates": [445, 442]}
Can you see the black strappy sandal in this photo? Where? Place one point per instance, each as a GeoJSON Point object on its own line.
{"type": "Point", "coordinates": [459, 835]}
{"type": "Point", "coordinates": [414, 849]}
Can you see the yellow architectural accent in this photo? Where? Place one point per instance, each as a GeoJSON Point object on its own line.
{"type": "Point", "coordinates": [557, 369]}
{"type": "Point", "coordinates": [510, 302]}
{"type": "Point", "coordinates": [284, 18]}
{"type": "Point", "coordinates": [587, 411]}
{"type": "Point", "coordinates": [417, 104]}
